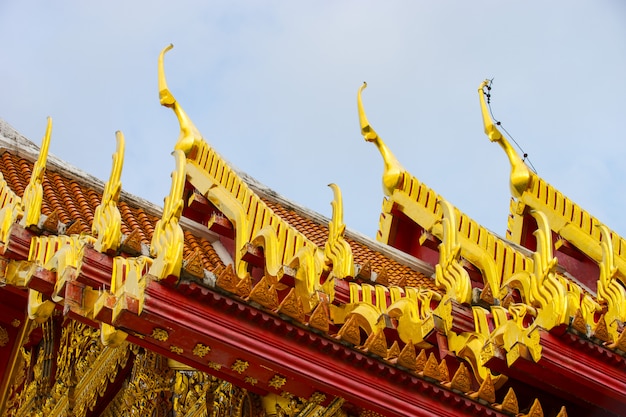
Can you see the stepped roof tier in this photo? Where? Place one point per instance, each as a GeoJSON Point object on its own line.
{"type": "Point", "coordinates": [232, 300]}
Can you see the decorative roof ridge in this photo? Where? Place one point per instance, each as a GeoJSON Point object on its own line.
{"type": "Point", "coordinates": [397, 255]}
{"type": "Point", "coordinates": [17, 144]}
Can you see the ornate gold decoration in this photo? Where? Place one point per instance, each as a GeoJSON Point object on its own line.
{"type": "Point", "coordinates": [250, 380]}
{"type": "Point", "coordinates": [191, 390]}
{"type": "Point", "coordinates": [317, 397]}
{"type": "Point", "coordinates": [383, 278]}
{"type": "Point", "coordinates": [486, 392]}
{"type": "Point", "coordinates": [543, 288]}
{"type": "Point", "coordinates": [201, 350]}
{"type": "Point", "coordinates": [414, 316]}
{"type": "Point", "coordinates": [244, 286]}
{"type": "Point", "coordinates": [193, 264]}
{"type": "Point", "coordinates": [76, 228]}
{"type": "Point", "coordinates": [393, 171]}
{"type": "Point", "coordinates": [431, 368]}
{"type": "Point", "coordinates": [264, 293]}
{"type": "Point", "coordinates": [509, 404]}
{"type": "Point", "coordinates": [214, 365]}
{"type": "Point", "coordinates": [189, 134]}
{"type": "Point", "coordinates": [562, 412]}
{"type": "Point", "coordinates": [601, 331]}
{"type": "Point", "coordinates": [51, 224]}
{"type": "Point", "coordinates": [609, 291]}
{"type": "Point", "coordinates": [292, 306]}
{"type": "Point", "coordinates": [175, 349]}
{"type": "Point", "coordinates": [160, 334]}
{"type": "Point", "coordinates": [350, 331]}
{"type": "Point", "coordinates": [420, 361]}
{"type": "Point", "coordinates": [10, 210]}
{"type": "Point", "coordinates": [168, 238]}
{"type": "Point", "coordinates": [620, 343]}
{"type": "Point", "coordinates": [521, 176]}
{"type": "Point", "coordinates": [376, 344]}
{"type": "Point", "coordinates": [461, 381]}
{"type": "Point", "coordinates": [407, 357]}
{"type": "Point", "coordinates": [337, 251]}
{"type": "Point", "coordinates": [4, 337]}
{"type": "Point", "coordinates": [535, 410]}
{"type": "Point", "coordinates": [394, 351]}
{"type": "Point", "coordinates": [33, 194]}
{"type": "Point", "coordinates": [443, 372]}
{"type": "Point", "coordinates": [227, 279]}
{"type": "Point", "coordinates": [131, 243]}
{"type": "Point", "coordinates": [449, 273]}
{"type": "Point", "coordinates": [319, 318]}
{"type": "Point", "coordinates": [150, 377]}
{"type": "Point", "coordinates": [107, 220]}
{"type": "Point", "coordinates": [277, 381]}
{"type": "Point", "coordinates": [239, 366]}
{"type": "Point", "coordinates": [16, 323]}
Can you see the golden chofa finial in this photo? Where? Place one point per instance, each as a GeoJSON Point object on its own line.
{"type": "Point", "coordinates": [337, 250]}
{"type": "Point", "coordinates": [188, 132]}
{"type": "Point", "coordinates": [521, 176]}
{"type": "Point", "coordinates": [107, 220]}
{"type": "Point", "coordinates": [33, 194]}
{"type": "Point", "coordinates": [392, 174]}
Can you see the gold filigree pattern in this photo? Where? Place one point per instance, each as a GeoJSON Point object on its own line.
{"type": "Point", "coordinates": [160, 334]}
{"type": "Point", "coordinates": [201, 350]}
{"type": "Point", "coordinates": [176, 349]}
{"type": "Point", "coordinates": [277, 381]}
{"type": "Point", "coordinates": [240, 366]}
{"type": "Point", "coordinates": [4, 337]}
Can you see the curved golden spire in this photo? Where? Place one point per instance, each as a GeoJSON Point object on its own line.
{"type": "Point", "coordinates": [33, 194]}
{"type": "Point", "coordinates": [107, 221]}
{"type": "Point", "coordinates": [337, 250]}
{"type": "Point", "coordinates": [393, 169]}
{"type": "Point", "coordinates": [521, 176]}
{"type": "Point", "coordinates": [188, 131]}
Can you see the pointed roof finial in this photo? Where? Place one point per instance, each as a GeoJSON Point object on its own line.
{"type": "Point", "coordinates": [392, 174]}
{"type": "Point", "coordinates": [521, 176]}
{"type": "Point", "coordinates": [33, 194]}
{"type": "Point", "coordinates": [189, 134]}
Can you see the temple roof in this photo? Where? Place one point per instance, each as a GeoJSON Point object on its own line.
{"type": "Point", "coordinates": [232, 279]}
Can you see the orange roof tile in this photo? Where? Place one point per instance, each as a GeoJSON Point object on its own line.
{"type": "Point", "coordinates": [73, 201]}
{"type": "Point", "coordinates": [318, 234]}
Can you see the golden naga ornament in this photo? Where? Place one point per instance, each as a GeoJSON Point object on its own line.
{"type": "Point", "coordinates": [107, 221]}
{"type": "Point", "coordinates": [168, 238]}
{"type": "Point", "coordinates": [449, 273]}
{"type": "Point", "coordinates": [33, 194]}
{"type": "Point", "coordinates": [394, 171]}
{"type": "Point", "coordinates": [189, 134]}
{"type": "Point", "coordinates": [521, 176]}
{"type": "Point", "coordinates": [337, 251]}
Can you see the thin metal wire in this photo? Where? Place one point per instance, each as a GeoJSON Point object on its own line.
{"type": "Point", "coordinates": [526, 159]}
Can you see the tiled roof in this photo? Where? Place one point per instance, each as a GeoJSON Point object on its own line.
{"type": "Point", "coordinates": [74, 201]}
{"type": "Point", "coordinates": [318, 234]}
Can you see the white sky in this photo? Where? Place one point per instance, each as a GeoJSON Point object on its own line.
{"type": "Point", "coordinates": [272, 86]}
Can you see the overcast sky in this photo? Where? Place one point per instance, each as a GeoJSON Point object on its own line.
{"type": "Point", "coordinates": [272, 86]}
